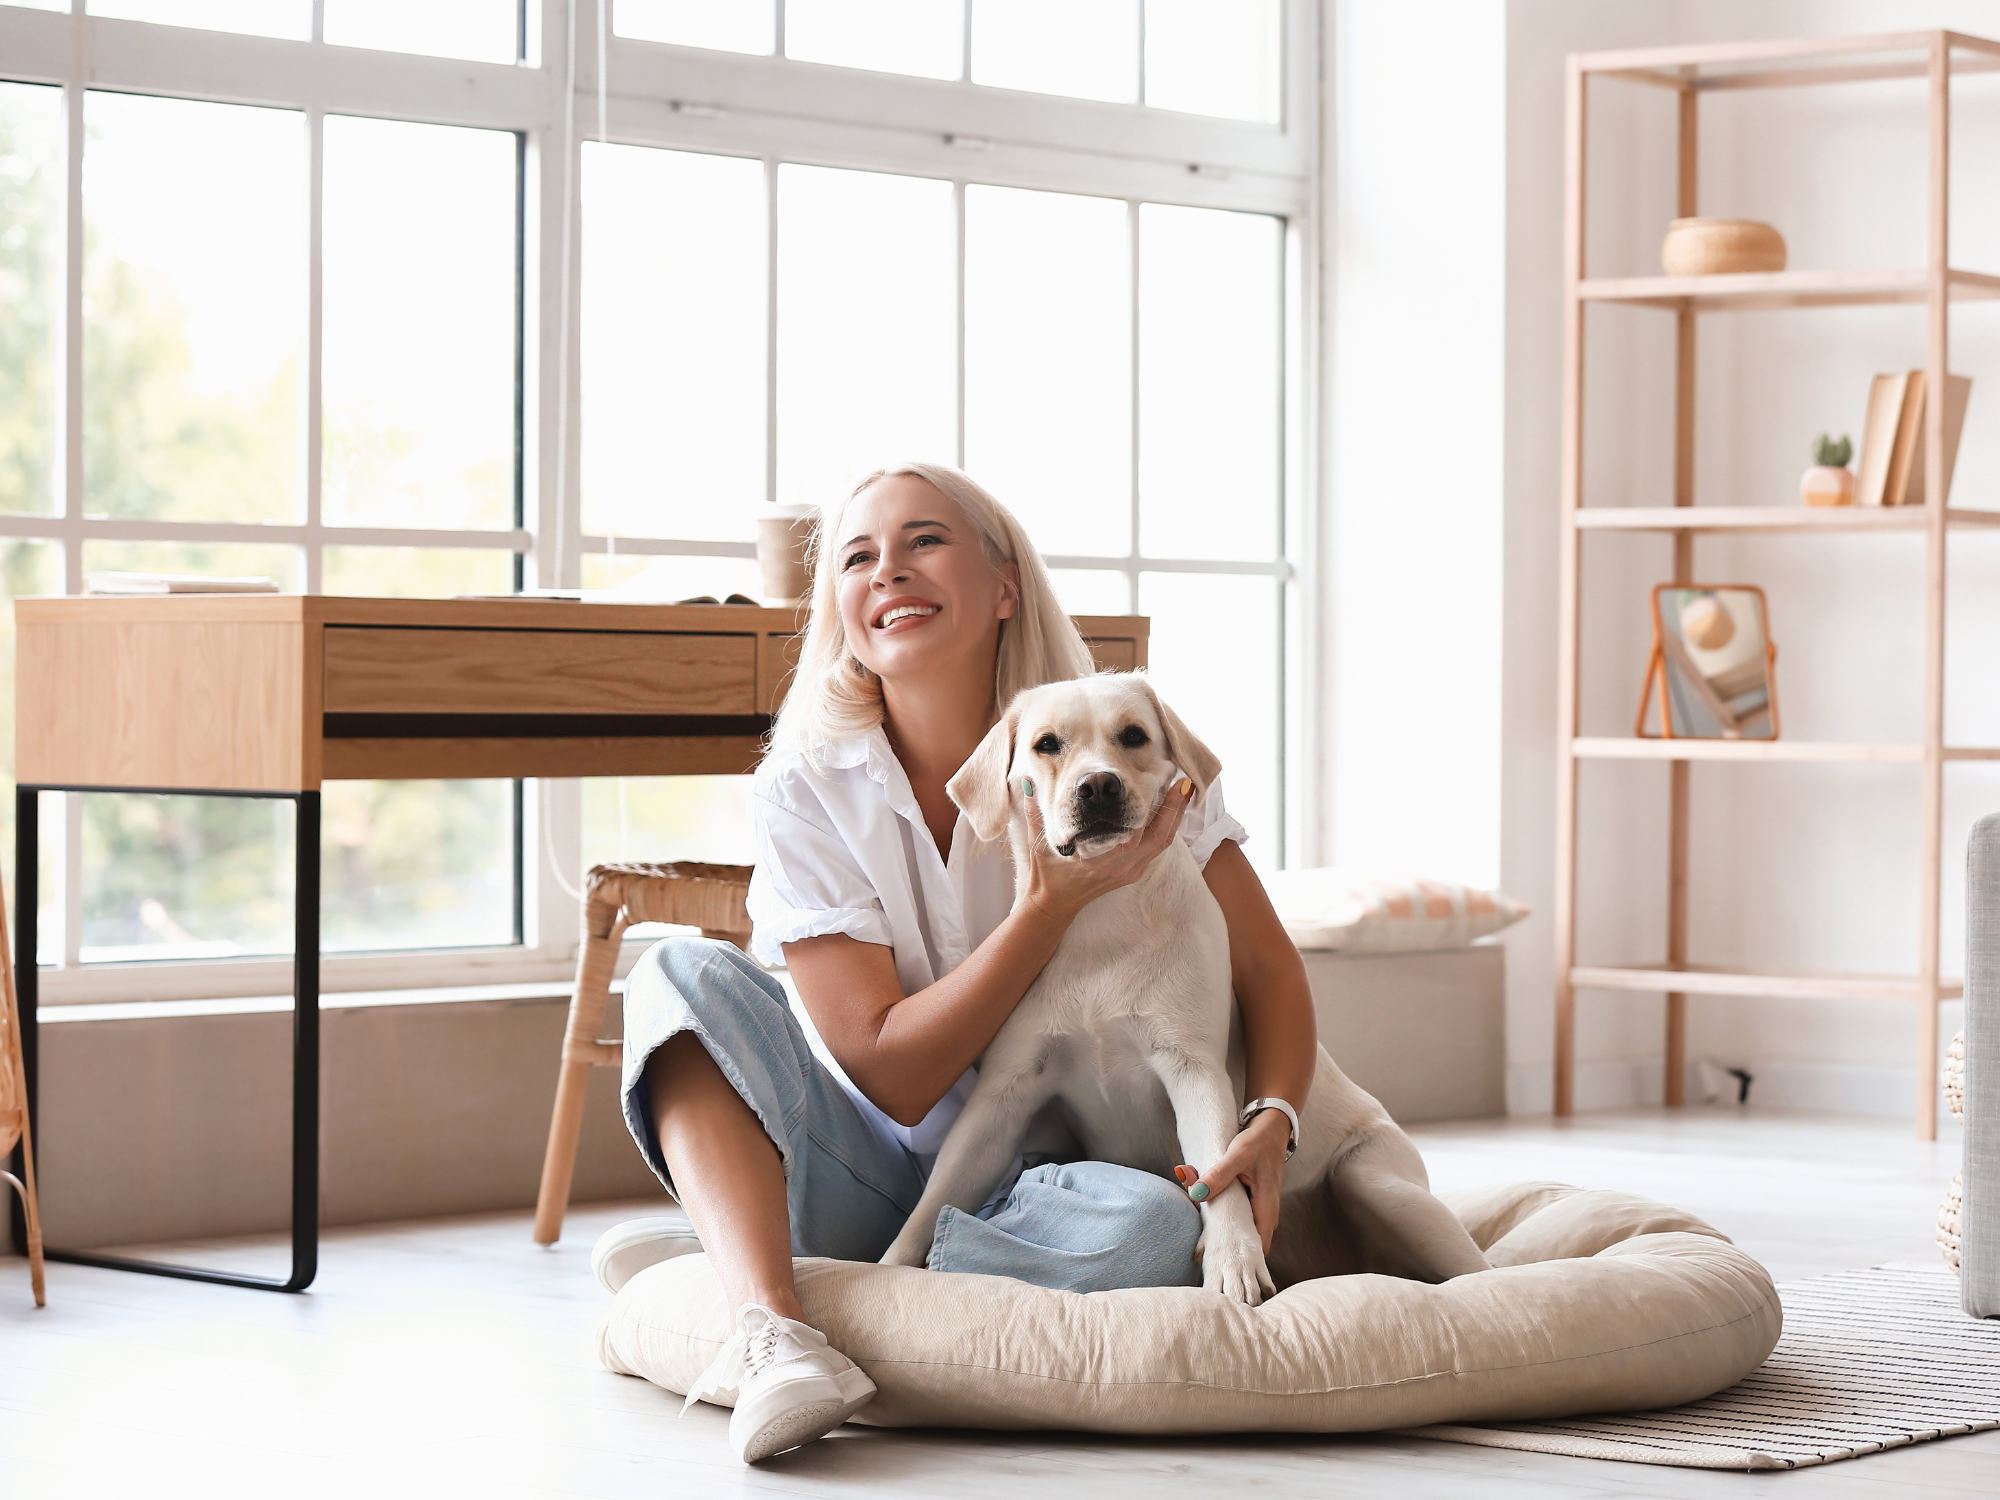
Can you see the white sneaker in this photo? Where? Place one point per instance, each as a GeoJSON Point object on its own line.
{"type": "Point", "coordinates": [787, 1384]}
{"type": "Point", "coordinates": [624, 1250]}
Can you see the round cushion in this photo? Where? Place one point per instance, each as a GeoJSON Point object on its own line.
{"type": "Point", "coordinates": [1599, 1301]}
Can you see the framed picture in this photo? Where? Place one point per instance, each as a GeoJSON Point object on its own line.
{"type": "Point", "coordinates": [1712, 663]}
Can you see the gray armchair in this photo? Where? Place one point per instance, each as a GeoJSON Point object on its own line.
{"type": "Point", "coordinates": [1979, 1223]}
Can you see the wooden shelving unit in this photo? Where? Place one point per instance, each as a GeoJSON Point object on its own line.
{"type": "Point", "coordinates": [1690, 72]}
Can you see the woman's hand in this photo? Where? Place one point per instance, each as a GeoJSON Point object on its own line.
{"type": "Point", "coordinates": [1065, 886]}
{"type": "Point", "coordinates": [1256, 1158]}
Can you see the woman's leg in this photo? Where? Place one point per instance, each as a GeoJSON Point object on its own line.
{"type": "Point", "coordinates": [1083, 1226]}
{"type": "Point", "coordinates": [727, 1173]}
{"type": "Point", "coordinates": [758, 1142]}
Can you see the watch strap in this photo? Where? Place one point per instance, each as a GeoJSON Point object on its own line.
{"type": "Point", "coordinates": [1257, 1106]}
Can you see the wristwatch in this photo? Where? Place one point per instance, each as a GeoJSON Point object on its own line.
{"type": "Point", "coordinates": [1257, 1106]}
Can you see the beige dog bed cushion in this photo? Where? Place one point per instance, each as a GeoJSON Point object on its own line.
{"type": "Point", "coordinates": [1599, 1301]}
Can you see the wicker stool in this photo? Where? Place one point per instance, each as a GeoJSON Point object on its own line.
{"type": "Point", "coordinates": [710, 897]}
{"type": "Point", "coordinates": [14, 1111]}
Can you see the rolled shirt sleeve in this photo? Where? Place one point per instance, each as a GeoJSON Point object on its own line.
{"type": "Point", "coordinates": [1208, 823]}
{"type": "Point", "coordinates": [807, 883]}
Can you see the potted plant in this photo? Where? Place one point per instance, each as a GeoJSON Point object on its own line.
{"type": "Point", "coordinates": [1829, 481]}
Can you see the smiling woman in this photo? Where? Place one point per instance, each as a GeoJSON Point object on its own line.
{"type": "Point", "coordinates": [838, 690]}
{"type": "Point", "coordinates": [912, 932]}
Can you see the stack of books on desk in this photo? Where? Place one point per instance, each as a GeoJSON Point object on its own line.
{"type": "Point", "coordinates": [174, 583]}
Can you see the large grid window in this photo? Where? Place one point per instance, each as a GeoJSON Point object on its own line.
{"type": "Point", "coordinates": [474, 325]}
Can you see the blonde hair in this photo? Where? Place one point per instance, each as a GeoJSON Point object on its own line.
{"type": "Point", "coordinates": [833, 696]}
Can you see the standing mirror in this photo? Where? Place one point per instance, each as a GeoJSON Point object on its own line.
{"type": "Point", "coordinates": [1712, 663]}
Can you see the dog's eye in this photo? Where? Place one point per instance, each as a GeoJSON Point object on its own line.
{"type": "Point", "coordinates": [1047, 745]}
{"type": "Point", "coordinates": [1132, 737]}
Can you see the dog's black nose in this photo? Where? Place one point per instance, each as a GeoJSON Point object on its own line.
{"type": "Point", "coordinates": [1100, 789]}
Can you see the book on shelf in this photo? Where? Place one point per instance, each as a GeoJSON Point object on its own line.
{"type": "Point", "coordinates": [1878, 437]}
{"type": "Point", "coordinates": [1957, 393]}
{"type": "Point", "coordinates": [1891, 470]}
{"type": "Point", "coordinates": [174, 583]}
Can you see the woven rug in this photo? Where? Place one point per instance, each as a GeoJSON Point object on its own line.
{"type": "Point", "coordinates": [1869, 1360]}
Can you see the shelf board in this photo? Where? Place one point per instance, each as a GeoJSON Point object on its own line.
{"type": "Point", "coordinates": [1787, 984]}
{"type": "Point", "coordinates": [1625, 747]}
{"type": "Point", "coordinates": [1761, 289]}
{"type": "Point", "coordinates": [1774, 518]}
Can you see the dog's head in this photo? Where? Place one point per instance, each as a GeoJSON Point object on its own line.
{"type": "Point", "coordinates": [1100, 751]}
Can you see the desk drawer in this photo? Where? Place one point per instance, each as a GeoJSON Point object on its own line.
{"type": "Point", "coordinates": [402, 671]}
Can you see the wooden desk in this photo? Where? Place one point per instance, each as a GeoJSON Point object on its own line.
{"type": "Point", "coordinates": [270, 695]}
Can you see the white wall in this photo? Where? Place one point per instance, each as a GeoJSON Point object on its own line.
{"type": "Point", "coordinates": [1440, 118]}
{"type": "Point", "coordinates": [1416, 215]}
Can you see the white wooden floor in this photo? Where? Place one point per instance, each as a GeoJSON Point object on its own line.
{"type": "Point", "coordinates": [453, 1357]}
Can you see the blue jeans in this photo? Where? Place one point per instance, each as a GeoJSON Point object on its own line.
{"type": "Point", "coordinates": [1077, 1226]}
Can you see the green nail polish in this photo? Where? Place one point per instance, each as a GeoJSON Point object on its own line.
{"type": "Point", "coordinates": [1027, 787]}
{"type": "Point", "coordinates": [1198, 1192]}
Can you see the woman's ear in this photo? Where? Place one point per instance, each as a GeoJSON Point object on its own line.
{"type": "Point", "coordinates": [980, 786]}
{"type": "Point", "coordinates": [1010, 591]}
{"type": "Point", "coordinates": [1196, 761]}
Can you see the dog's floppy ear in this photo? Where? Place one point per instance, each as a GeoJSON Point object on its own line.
{"type": "Point", "coordinates": [980, 788]}
{"type": "Point", "coordinates": [1196, 761]}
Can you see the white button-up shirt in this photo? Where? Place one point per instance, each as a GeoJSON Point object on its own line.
{"type": "Point", "coordinates": [843, 848]}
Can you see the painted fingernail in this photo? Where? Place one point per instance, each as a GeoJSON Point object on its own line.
{"type": "Point", "coordinates": [1187, 787]}
{"type": "Point", "coordinates": [1198, 1192]}
{"type": "Point", "coordinates": [1185, 1176]}
{"type": "Point", "coordinates": [1027, 787]}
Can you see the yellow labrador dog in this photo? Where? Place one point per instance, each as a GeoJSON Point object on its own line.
{"type": "Point", "coordinates": [1129, 1037]}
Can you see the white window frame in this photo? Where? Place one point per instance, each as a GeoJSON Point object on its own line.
{"type": "Point", "coordinates": [770, 108]}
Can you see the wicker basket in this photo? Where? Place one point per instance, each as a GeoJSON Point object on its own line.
{"type": "Point", "coordinates": [1721, 247]}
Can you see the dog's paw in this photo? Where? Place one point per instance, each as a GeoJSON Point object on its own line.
{"type": "Point", "coordinates": [1237, 1271]}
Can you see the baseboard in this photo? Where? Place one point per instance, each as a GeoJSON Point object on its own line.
{"type": "Point", "coordinates": [1804, 1087]}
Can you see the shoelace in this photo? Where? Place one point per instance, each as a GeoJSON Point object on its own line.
{"type": "Point", "coordinates": [743, 1356]}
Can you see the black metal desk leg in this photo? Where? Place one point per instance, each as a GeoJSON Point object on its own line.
{"type": "Point", "coordinates": [27, 853]}
{"type": "Point", "coordinates": [305, 1045]}
{"type": "Point", "coordinates": [305, 1036]}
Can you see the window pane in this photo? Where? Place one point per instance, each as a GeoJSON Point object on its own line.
{"type": "Point", "coordinates": [185, 877]}
{"type": "Point", "coordinates": [1214, 657]}
{"type": "Point", "coordinates": [419, 325]}
{"type": "Point", "coordinates": [867, 327]}
{"type": "Point", "coordinates": [284, 566]}
{"type": "Point", "coordinates": [415, 572]}
{"type": "Point", "coordinates": [417, 864]}
{"type": "Point", "coordinates": [924, 37]}
{"type": "Point", "coordinates": [663, 580]}
{"type": "Point", "coordinates": [31, 215]}
{"type": "Point", "coordinates": [674, 293]}
{"type": "Point", "coordinates": [291, 19]}
{"type": "Point", "coordinates": [1048, 364]}
{"type": "Point", "coordinates": [726, 25]}
{"type": "Point", "coordinates": [1088, 49]}
{"type": "Point", "coordinates": [483, 30]}
{"type": "Point", "coordinates": [194, 309]}
{"type": "Point", "coordinates": [26, 569]}
{"type": "Point", "coordinates": [661, 818]}
{"type": "Point", "coordinates": [1208, 383]}
{"type": "Point", "coordinates": [1214, 57]}
{"type": "Point", "coordinates": [1092, 592]}
{"type": "Point", "coordinates": [404, 864]}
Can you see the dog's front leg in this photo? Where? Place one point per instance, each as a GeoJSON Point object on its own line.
{"type": "Point", "coordinates": [1232, 1254]}
{"type": "Point", "coordinates": [980, 1147]}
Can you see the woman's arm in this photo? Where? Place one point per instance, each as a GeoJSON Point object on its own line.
{"type": "Point", "coordinates": [905, 1052]}
{"type": "Point", "coordinates": [1280, 1034]}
